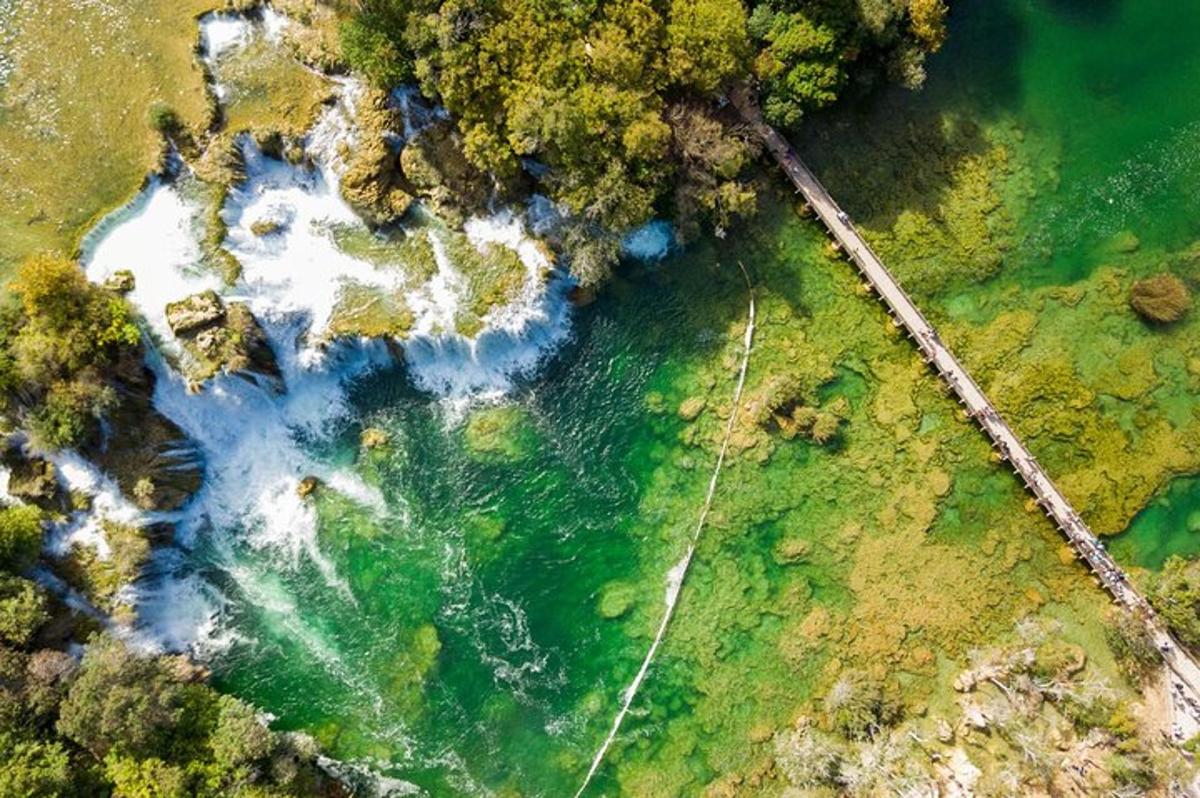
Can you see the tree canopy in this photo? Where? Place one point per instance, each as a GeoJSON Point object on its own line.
{"type": "Point", "coordinates": [603, 100]}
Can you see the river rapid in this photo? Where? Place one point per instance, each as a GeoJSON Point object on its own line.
{"type": "Point", "coordinates": [460, 608]}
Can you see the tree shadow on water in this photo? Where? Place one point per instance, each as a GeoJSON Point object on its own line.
{"type": "Point", "coordinates": [885, 150]}
{"type": "Point", "coordinates": [1084, 12]}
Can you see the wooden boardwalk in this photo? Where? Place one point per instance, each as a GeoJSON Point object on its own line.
{"type": "Point", "coordinates": [907, 315]}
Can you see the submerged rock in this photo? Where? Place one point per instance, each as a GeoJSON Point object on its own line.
{"type": "Point", "coordinates": [220, 337]}
{"type": "Point", "coordinates": [692, 407]}
{"type": "Point", "coordinates": [500, 434]}
{"type": "Point", "coordinates": [1163, 298]}
{"type": "Point", "coordinates": [616, 599]}
{"type": "Point", "coordinates": [373, 438]}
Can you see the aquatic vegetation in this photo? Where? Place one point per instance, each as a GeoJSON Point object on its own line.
{"type": "Point", "coordinates": [499, 434]}
{"type": "Point", "coordinates": [1162, 298]}
{"type": "Point", "coordinates": [263, 89]}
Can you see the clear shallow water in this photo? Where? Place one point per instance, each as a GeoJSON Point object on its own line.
{"type": "Point", "coordinates": [468, 648]}
{"type": "Point", "coordinates": [1169, 526]}
{"type": "Point", "coordinates": [435, 613]}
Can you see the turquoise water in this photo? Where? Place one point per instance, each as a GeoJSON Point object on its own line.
{"type": "Point", "coordinates": [485, 619]}
{"type": "Point", "coordinates": [1168, 526]}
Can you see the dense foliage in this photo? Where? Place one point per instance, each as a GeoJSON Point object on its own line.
{"type": "Point", "coordinates": [117, 722]}
{"type": "Point", "coordinates": [620, 99]}
{"type": "Point", "coordinates": [1175, 594]}
{"type": "Point", "coordinates": [58, 344]}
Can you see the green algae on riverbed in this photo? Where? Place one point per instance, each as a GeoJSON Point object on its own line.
{"type": "Point", "coordinates": [1040, 174]}
{"type": "Point", "coordinates": [894, 549]}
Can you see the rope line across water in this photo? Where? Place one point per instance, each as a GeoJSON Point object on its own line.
{"type": "Point", "coordinates": [677, 574]}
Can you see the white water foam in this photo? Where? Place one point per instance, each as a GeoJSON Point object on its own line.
{"type": "Point", "coordinates": [223, 32]}
{"type": "Point", "coordinates": [254, 440]}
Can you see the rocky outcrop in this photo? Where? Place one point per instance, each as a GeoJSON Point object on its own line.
{"type": "Point", "coordinates": [121, 282]}
{"type": "Point", "coordinates": [151, 459]}
{"type": "Point", "coordinates": [438, 171]}
{"type": "Point", "coordinates": [219, 337]}
{"type": "Point", "coordinates": [32, 479]}
{"type": "Point", "coordinates": [372, 182]}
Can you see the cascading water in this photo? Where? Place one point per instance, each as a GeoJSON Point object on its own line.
{"type": "Point", "coordinates": [248, 521]}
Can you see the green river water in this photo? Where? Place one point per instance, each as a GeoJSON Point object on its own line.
{"type": "Point", "coordinates": [498, 607]}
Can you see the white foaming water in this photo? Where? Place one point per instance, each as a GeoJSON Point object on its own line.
{"type": "Point", "coordinates": [253, 439]}
{"type": "Point", "coordinates": [107, 504]}
{"type": "Point", "coordinates": [650, 242]}
{"type": "Point", "coordinates": [222, 33]}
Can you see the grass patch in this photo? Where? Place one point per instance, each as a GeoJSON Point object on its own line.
{"type": "Point", "coordinates": [269, 91]}
{"type": "Point", "coordinates": [75, 133]}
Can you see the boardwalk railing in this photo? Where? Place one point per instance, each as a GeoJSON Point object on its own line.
{"type": "Point", "coordinates": [907, 315]}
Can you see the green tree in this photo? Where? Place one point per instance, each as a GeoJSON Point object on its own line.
{"type": "Point", "coordinates": [147, 778]}
{"type": "Point", "coordinates": [126, 704]}
{"type": "Point", "coordinates": [68, 337]}
{"type": "Point", "coordinates": [1175, 594]}
{"type": "Point", "coordinates": [33, 768]}
{"type": "Point", "coordinates": [707, 43]}
{"type": "Point", "coordinates": [22, 610]}
{"type": "Point", "coordinates": [20, 536]}
{"type": "Point", "coordinates": [1132, 645]}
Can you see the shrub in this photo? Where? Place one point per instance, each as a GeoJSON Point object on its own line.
{"type": "Point", "coordinates": [163, 118]}
{"type": "Point", "coordinates": [123, 704]}
{"type": "Point", "coordinates": [1175, 594]}
{"type": "Point", "coordinates": [22, 610]}
{"type": "Point", "coordinates": [20, 536]}
{"type": "Point", "coordinates": [1132, 645]}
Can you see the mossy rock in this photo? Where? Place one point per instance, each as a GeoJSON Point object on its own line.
{"type": "Point", "coordinates": [373, 438]}
{"type": "Point", "coordinates": [372, 182]}
{"type": "Point", "coordinates": [33, 479]}
{"type": "Point", "coordinates": [1162, 299]}
{"type": "Point", "coordinates": [616, 600]}
{"type": "Point", "coordinates": [100, 578]}
{"type": "Point", "coordinates": [369, 312]}
{"type": "Point", "coordinates": [438, 171]}
{"type": "Point", "coordinates": [500, 434]}
{"type": "Point", "coordinates": [219, 337]}
{"type": "Point", "coordinates": [308, 486]}
{"type": "Point", "coordinates": [121, 282]}
{"type": "Point", "coordinates": [691, 408]}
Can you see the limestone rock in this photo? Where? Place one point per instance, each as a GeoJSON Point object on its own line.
{"type": "Point", "coordinates": [308, 486]}
{"type": "Point", "coordinates": [220, 337]}
{"type": "Point", "coordinates": [122, 282]}
{"type": "Point", "coordinates": [373, 438]}
{"type": "Point", "coordinates": [193, 314]}
{"type": "Point", "coordinates": [33, 479]}
{"type": "Point", "coordinates": [372, 181]}
{"type": "Point", "coordinates": [438, 171]}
